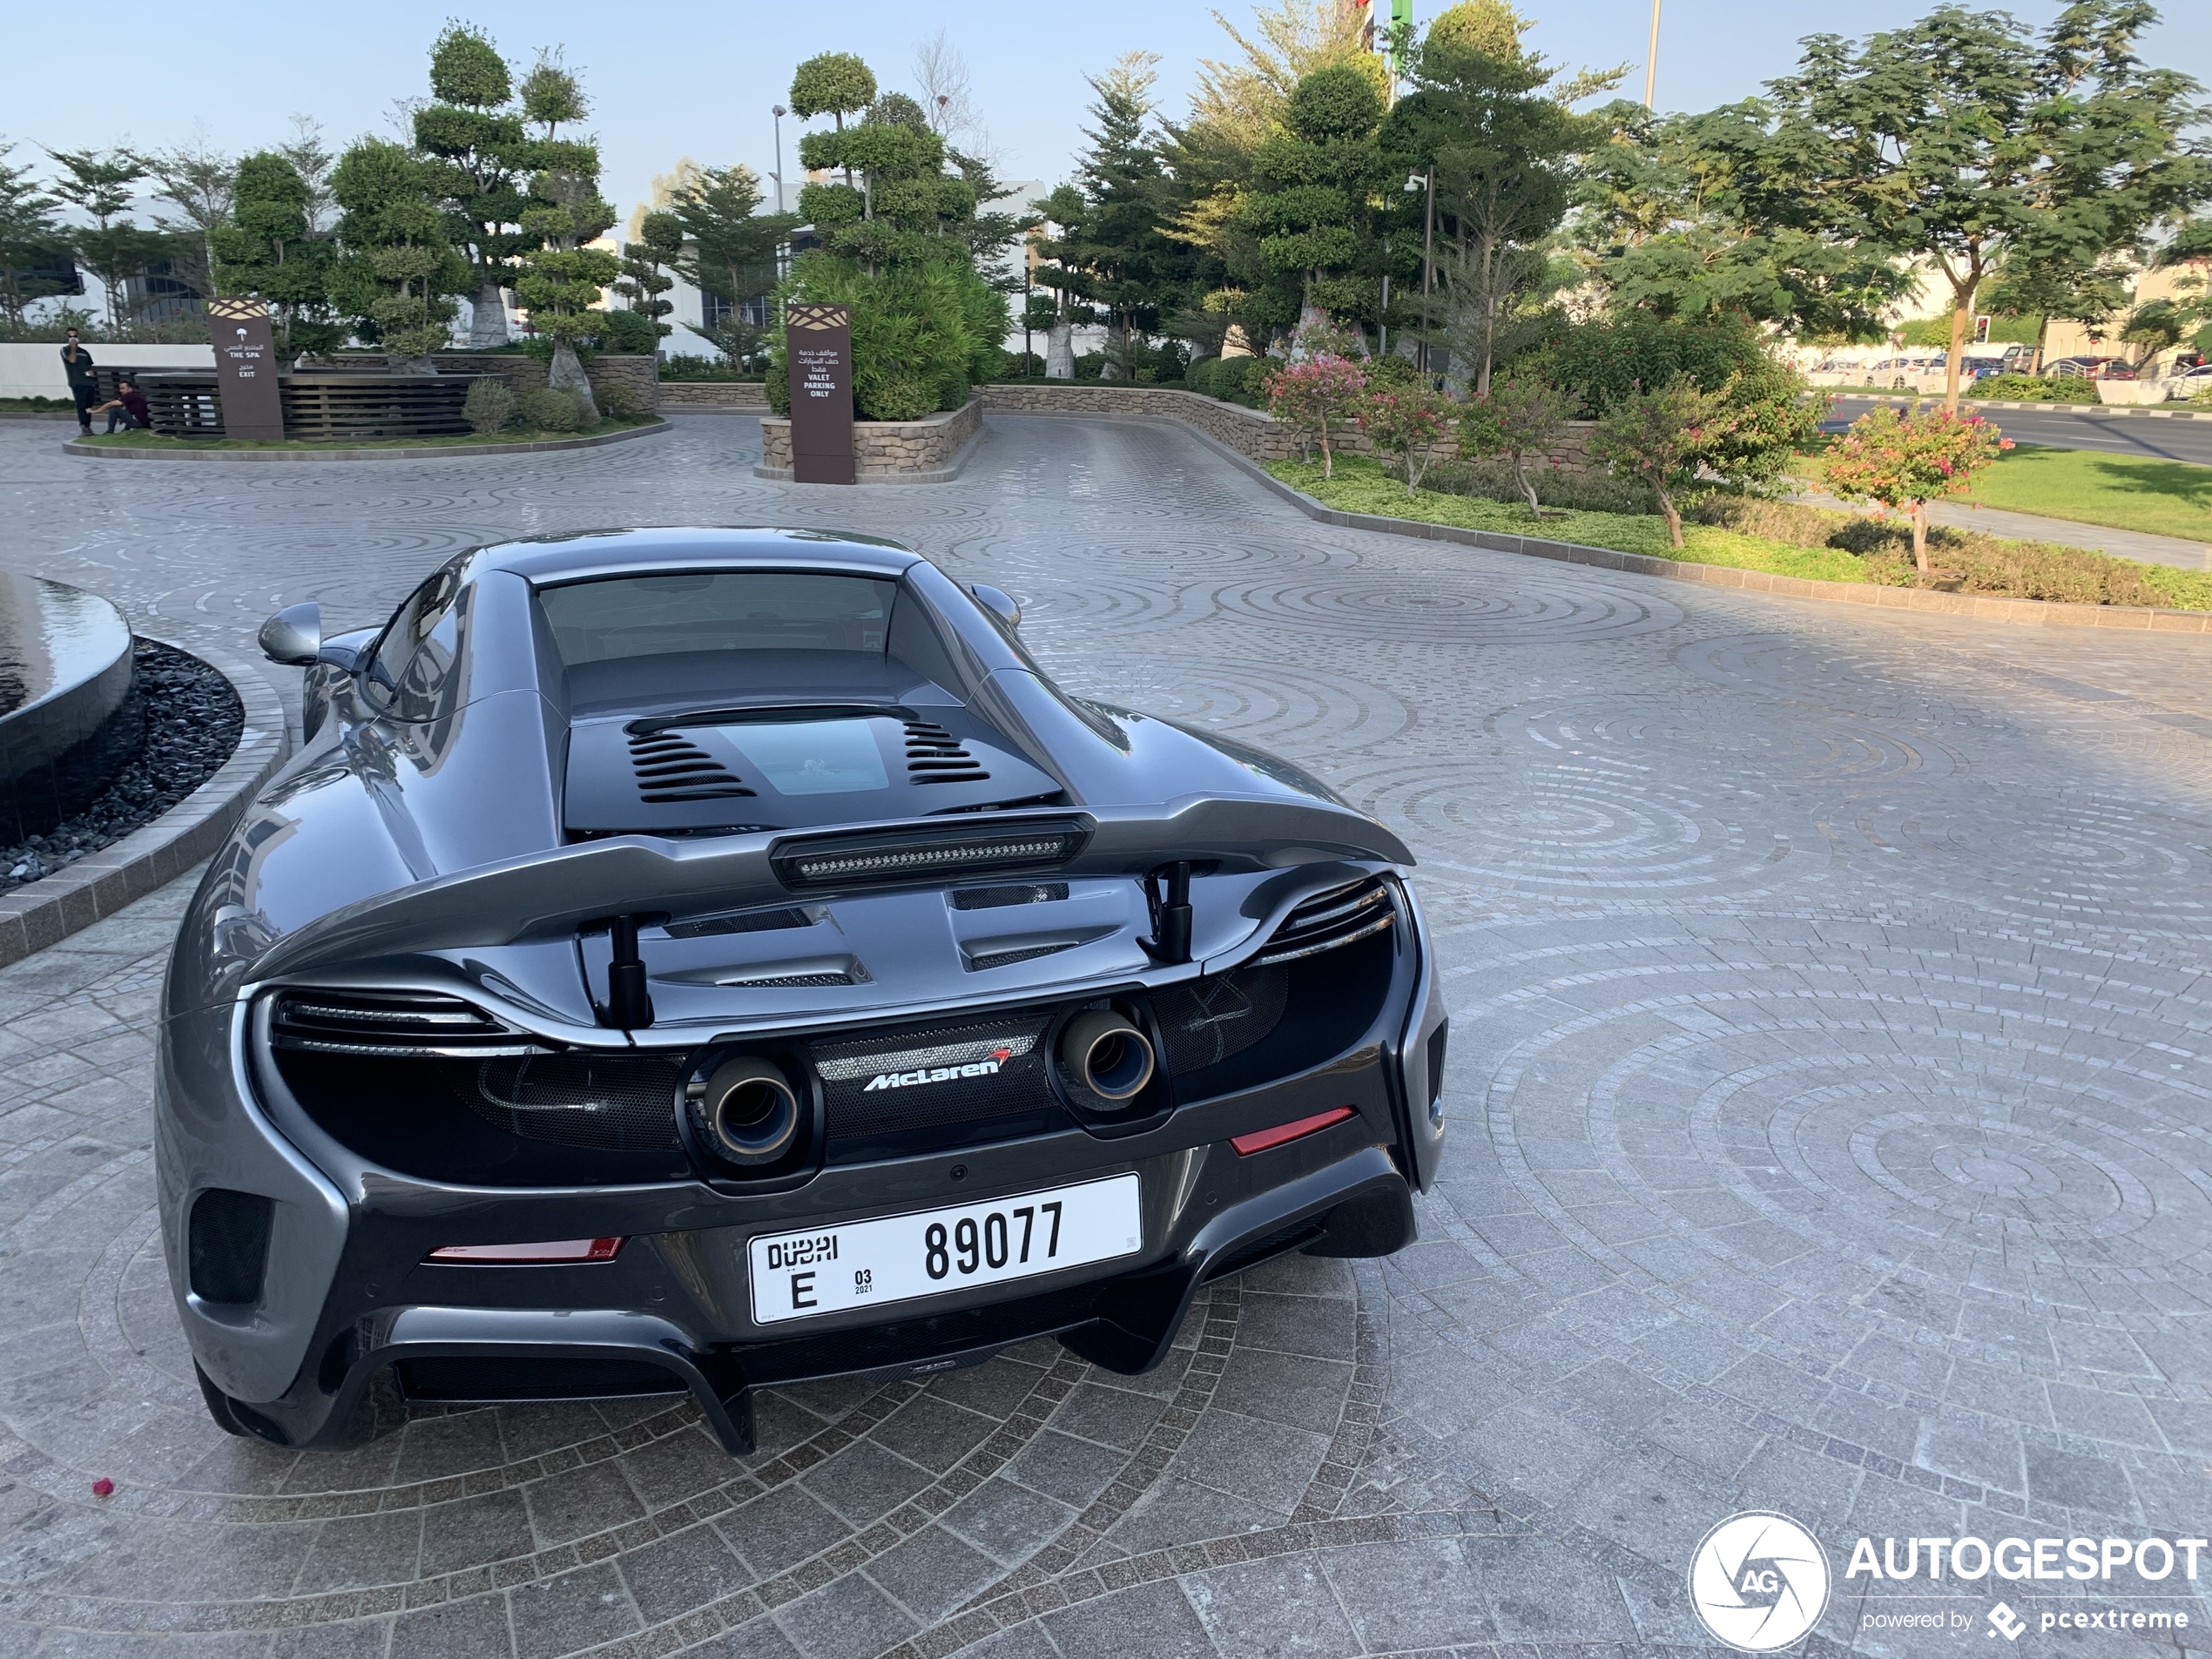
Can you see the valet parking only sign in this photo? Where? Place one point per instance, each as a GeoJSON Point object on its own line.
{"type": "Point", "coordinates": [246, 369]}
{"type": "Point", "coordinates": [818, 342]}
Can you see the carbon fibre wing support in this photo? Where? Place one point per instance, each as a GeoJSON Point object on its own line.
{"type": "Point", "coordinates": [552, 893]}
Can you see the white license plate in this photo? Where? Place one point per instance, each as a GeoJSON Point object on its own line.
{"type": "Point", "coordinates": [866, 1263]}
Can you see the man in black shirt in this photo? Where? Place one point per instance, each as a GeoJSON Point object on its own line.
{"type": "Point", "coordinates": [77, 363]}
{"type": "Point", "coordinates": [127, 409]}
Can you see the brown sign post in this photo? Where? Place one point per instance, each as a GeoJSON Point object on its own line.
{"type": "Point", "coordinates": [818, 342]}
{"type": "Point", "coordinates": [246, 369]}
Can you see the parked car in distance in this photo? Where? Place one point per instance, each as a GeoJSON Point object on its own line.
{"type": "Point", "coordinates": [2188, 382]}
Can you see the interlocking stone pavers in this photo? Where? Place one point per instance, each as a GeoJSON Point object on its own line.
{"type": "Point", "coordinates": [1829, 1109]}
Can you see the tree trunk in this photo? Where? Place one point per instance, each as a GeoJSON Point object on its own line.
{"type": "Point", "coordinates": [1328, 461]}
{"type": "Point", "coordinates": [488, 319]}
{"type": "Point", "coordinates": [1520, 476]}
{"type": "Point", "coordinates": [565, 373]}
{"type": "Point", "coordinates": [1060, 352]}
{"type": "Point", "coordinates": [1673, 514]}
{"type": "Point", "coordinates": [1962, 321]}
{"type": "Point", "coordinates": [1919, 511]}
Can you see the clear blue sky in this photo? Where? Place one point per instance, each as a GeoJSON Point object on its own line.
{"type": "Point", "coordinates": [669, 81]}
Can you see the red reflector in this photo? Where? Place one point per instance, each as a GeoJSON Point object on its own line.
{"type": "Point", "coordinates": [1260, 1139]}
{"type": "Point", "coordinates": [559, 1250]}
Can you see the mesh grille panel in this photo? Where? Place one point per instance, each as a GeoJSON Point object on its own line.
{"type": "Point", "coordinates": [229, 1245]}
{"type": "Point", "coordinates": [1207, 1021]}
{"type": "Point", "coordinates": [577, 1100]}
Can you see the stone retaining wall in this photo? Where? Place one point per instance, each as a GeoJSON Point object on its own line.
{"type": "Point", "coordinates": [640, 375]}
{"type": "Point", "coordinates": [1253, 433]}
{"type": "Point", "coordinates": [927, 450]}
{"type": "Point", "coordinates": [713, 395]}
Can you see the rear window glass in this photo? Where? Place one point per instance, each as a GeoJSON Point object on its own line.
{"type": "Point", "coordinates": [653, 616]}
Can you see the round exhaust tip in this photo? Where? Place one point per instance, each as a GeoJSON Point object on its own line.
{"type": "Point", "coordinates": [1107, 1054]}
{"type": "Point", "coordinates": [749, 1111]}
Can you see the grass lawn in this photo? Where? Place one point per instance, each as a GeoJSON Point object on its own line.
{"type": "Point", "coordinates": [2123, 492]}
{"type": "Point", "coordinates": [156, 440]}
{"type": "Point", "coordinates": [1361, 486]}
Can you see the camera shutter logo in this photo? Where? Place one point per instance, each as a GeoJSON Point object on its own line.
{"type": "Point", "coordinates": [1759, 1581]}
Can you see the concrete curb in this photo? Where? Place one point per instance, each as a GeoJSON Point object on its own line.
{"type": "Point", "coordinates": [2029, 613]}
{"type": "Point", "coordinates": [935, 476]}
{"type": "Point", "coordinates": [452, 452]}
{"type": "Point", "coordinates": [41, 913]}
{"type": "Point", "coordinates": [2093, 411]}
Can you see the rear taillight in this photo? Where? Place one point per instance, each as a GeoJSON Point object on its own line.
{"type": "Point", "coordinates": [558, 1250]}
{"type": "Point", "coordinates": [1260, 1139]}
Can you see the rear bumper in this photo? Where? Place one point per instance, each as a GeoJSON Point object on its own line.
{"type": "Point", "coordinates": [1356, 1205]}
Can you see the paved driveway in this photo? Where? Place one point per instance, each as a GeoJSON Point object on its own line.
{"type": "Point", "coordinates": [1829, 1108]}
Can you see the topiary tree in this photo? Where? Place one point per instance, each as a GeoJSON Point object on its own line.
{"type": "Point", "coordinates": [1521, 416]}
{"type": "Point", "coordinates": [659, 243]}
{"type": "Point", "coordinates": [1903, 460]}
{"type": "Point", "coordinates": [397, 270]}
{"type": "Point", "coordinates": [1662, 437]}
{"type": "Point", "coordinates": [1309, 210]}
{"type": "Point", "coordinates": [268, 250]}
{"type": "Point", "coordinates": [474, 133]}
{"type": "Point", "coordinates": [562, 276]}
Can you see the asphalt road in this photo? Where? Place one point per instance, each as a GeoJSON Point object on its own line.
{"type": "Point", "coordinates": [2115, 434]}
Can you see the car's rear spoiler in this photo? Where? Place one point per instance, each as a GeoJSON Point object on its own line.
{"type": "Point", "coordinates": [558, 892]}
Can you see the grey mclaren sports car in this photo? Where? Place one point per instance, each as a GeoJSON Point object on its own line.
{"type": "Point", "coordinates": [698, 961]}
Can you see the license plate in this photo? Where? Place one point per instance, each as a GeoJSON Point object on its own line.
{"type": "Point", "coordinates": [898, 1259]}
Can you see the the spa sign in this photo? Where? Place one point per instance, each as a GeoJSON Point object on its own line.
{"type": "Point", "coordinates": [246, 369]}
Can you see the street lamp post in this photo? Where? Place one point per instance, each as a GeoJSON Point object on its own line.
{"type": "Point", "coordinates": [1651, 58]}
{"type": "Point", "coordinates": [1425, 180]}
{"type": "Point", "coordinates": [779, 113]}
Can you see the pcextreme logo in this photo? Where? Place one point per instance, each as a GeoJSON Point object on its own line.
{"type": "Point", "coordinates": [939, 1074]}
{"type": "Point", "coordinates": [1758, 1581]}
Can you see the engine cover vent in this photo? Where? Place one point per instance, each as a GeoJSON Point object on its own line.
{"type": "Point", "coordinates": [934, 756]}
{"type": "Point", "coordinates": [391, 1024]}
{"type": "Point", "coordinates": [1328, 919]}
{"type": "Point", "coordinates": [671, 767]}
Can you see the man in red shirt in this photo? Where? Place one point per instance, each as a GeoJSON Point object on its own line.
{"type": "Point", "coordinates": [127, 406]}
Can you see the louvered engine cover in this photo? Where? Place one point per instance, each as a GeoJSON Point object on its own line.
{"type": "Point", "coordinates": [789, 768]}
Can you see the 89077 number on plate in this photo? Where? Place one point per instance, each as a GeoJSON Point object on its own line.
{"type": "Point", "coordinates": [897, 1258]}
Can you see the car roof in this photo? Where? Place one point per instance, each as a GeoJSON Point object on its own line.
{"type": "Point", "coordinates": [546, 559]}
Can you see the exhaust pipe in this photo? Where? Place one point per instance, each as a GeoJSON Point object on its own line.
{"type": "Point", "coordinates": [1107, 1054]}
{"type": "Point", "coordinates": [749, 1113]}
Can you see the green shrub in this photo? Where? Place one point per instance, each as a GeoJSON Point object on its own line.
{"type": "Point", "coordinates": [1091, 366]}
{"type": "Point", "coordinates": [777, 385]}
{"type": "Point", "coordinates": [490, 405]}
{"type": "Point", "coordinates": [684, 367]}
{"type": "Point", "coordinates": [902, 396]}
{"type": "Point", "coordinates": [630, 334]}
{"type": "Point", "coordinates": [1199, 376]}
{"type": "Point", "coordinates": [545, 409]}
{"type": "Point", "coordinates": [1023, 366]}
{"type": "Point", "coordinates": [1389, 371]}
{"type": "Point", "coordinates": [2033, 388]}
{"type": "Point", "coordinates": [620, 400]}
{"type": "Point", "coordinates": [1239, 380]}
{"type": "Point", "coordinates": [1583, 492]}
{"type": "Point", "coordinates": [952, 391]}
{"type": "Point", "coordinates": [1607, 362]}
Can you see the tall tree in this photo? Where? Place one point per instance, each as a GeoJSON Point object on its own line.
{"type": "Point", "coordinates": [200, 182]}
{"type": "Point", "coordinates": [1312, 204]}
{"type": "Point", "coordinates": [312, 160]}
{"type": "Point", "coordinates": [659, 244]}
{"type": "Point", "coordinates": [1134, 265]}
{"type": "Point", "coordinates": [1502, 148]}
{"type": "Point", "coordinates": [268, 250]}
{"type": "Point", "coordinates": [1968, 142]}
{"type": "Point", "coordinates": [1064, 276]}
{"type": "Point", "coordinates": [476, 134]}
{"type": "Point", "coordinates": [32, 241]}
{"type": "Point", "coordinates": [101, 185]}
{"type": "Point", "coordinates": [1675, 214]}
{"type": "Point", "coordinates": [833, 83]}
{"type": "Point", "coordinates": [730, 246]}
{"type": "Point", "coordinates": [562, 273]}
{"type": "Point", "coordinates": [398, 268]}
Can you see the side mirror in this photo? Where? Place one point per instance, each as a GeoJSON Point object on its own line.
{"type": "Point", "coordinates": [999, 603]}
{"type": "Point", "coordinates": [294, 636]}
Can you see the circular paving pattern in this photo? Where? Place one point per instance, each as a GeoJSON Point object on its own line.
{"type": "Point", "coordinates": [1829, 1109]}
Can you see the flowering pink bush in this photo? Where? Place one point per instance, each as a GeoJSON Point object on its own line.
{"type": "Point", "coordinates": [1311, 393]}
{"type": "Point", "coordinates": [1518, 417]}
{"type": "Point", "coordinates": [1662, 437]}
{"type": "Point", "coordinates": [1905, 459]}
{"type": "Point", "coordinates": [1407, 421]}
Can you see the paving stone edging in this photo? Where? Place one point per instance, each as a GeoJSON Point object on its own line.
{"type": "Point", "coordinates": [452, 452]}
{"type": "Point", "coordinates": [2029, 613]}
{"type": "Point", "coordinates": [41, 913]}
